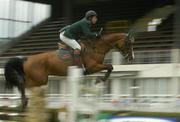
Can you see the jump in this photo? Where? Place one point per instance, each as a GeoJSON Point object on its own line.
{"type": "Point", "coordinates": [34, 70]}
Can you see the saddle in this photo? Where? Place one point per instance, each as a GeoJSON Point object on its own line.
{"type": "Point", "coordinates": [67, 53]}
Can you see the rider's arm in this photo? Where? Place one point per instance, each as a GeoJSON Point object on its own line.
{"type": "Point", "coordinates": [87, 32]}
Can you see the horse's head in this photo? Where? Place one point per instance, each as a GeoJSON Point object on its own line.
{"type": "Point", "coordinates": [125, 46]}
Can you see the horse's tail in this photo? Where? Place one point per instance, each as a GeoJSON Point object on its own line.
{"type": "Point", "coordinates": [14, 73]}
{"type": "Point", "coordinates": [14, 76]}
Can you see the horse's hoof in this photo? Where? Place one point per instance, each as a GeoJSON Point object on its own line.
{"type": "Point", "coordinates": [110, 67]}
{"type": "Point", "coordinates": [24, 105]}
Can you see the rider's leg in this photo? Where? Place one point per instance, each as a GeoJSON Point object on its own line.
{"type": "Point", "coordinates": [77, 49]}
{"type": "Point", "coordinates": [78, 59]}
{"type": "Point", "coordinates": [70, 42]}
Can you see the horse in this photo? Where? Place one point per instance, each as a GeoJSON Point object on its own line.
{"type": "Point", "coordinates": [33, 70]}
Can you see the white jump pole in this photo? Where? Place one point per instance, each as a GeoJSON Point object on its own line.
{"type": "Point", "coordinates": [37, 111]}
{"type": "Point", "coordinates": [74, 75]}
{"type": "Point", "coordinates": [117, 58]}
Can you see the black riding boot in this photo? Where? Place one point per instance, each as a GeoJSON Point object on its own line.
{"type": "Point", "coordinates": [77, 59]}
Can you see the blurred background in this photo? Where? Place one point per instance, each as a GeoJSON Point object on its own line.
{"type": "Point", "coordinates": [149, 87]}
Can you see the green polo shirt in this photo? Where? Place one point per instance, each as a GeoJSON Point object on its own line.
{"type": "Point", "coordinates": [78, 29]}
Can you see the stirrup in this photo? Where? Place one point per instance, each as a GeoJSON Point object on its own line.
{"type": "Point", "coordinates": [82, 67]}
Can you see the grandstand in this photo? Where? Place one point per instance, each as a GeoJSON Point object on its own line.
{"type": "Point", "coordinates": [45, 38]}
{"type": "Point", "coordinates": [155, 44]}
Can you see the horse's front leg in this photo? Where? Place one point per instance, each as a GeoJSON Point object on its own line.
{"type": "Point", "coordinates": [108, 73]}
{"type": "Point", "coordinates": [100, 67]}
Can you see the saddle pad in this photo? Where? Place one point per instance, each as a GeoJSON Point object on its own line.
{"type": "Point", "coordinates": [65, 54]}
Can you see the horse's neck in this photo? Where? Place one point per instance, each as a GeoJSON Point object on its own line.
{"type": "Point", "coordinates": [106, 43]}
{"type": "Point", "coordinates": [102, 47]}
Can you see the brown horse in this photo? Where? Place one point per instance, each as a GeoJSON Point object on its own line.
{"type": "Point", "coordinates": [34, 70]}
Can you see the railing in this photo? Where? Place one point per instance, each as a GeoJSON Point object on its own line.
{"type": "Point", "coordinates": [153, 102]}
{"type": "Point", "coordinates": [152, 56]}
{"type": "Point", "coordinates": [147, 57]}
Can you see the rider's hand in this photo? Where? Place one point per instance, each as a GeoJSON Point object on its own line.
{"type": "Point", "coordinates": [98, 35]}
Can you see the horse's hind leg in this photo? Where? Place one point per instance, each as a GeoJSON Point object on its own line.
{"type": "Point", "coordinates": [21, 88]}
{"type": "Point", "coordinates": [23, 98]}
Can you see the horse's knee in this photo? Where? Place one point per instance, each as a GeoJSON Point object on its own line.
{"type": "Point", "coordinates": [110, 67]}
{"type": "Point", "coordinates": [86, 72]}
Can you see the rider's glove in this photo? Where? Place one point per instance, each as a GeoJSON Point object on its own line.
{"type": "Point", "coordinates": [98, 35]}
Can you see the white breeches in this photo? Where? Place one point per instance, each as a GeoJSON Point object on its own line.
{"type": "Point", "coordinates": [70, 42]}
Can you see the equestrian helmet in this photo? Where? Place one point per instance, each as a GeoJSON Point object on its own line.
{"type": "Point", "coordinates": [90, 13]}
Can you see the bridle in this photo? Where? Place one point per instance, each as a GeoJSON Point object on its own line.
{"type": "Point", "coordinates": [125, 45]}
{"type": "Point", "coordinates": [127, 48]}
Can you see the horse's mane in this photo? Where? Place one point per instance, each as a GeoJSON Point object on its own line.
{"type": "Point", "coordinates": [111, 36]}
{"type": "Point", "coordinates": [91, 43]}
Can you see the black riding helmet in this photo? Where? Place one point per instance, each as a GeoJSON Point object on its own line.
{"type": "Point", "coordinates": [90, 13]}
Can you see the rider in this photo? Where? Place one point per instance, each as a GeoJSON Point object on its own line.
{"type": "Point", "coordinates": [71, 33]}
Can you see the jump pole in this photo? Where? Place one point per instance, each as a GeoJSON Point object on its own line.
{"type": "Point", "coordinates": [74, 75]}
